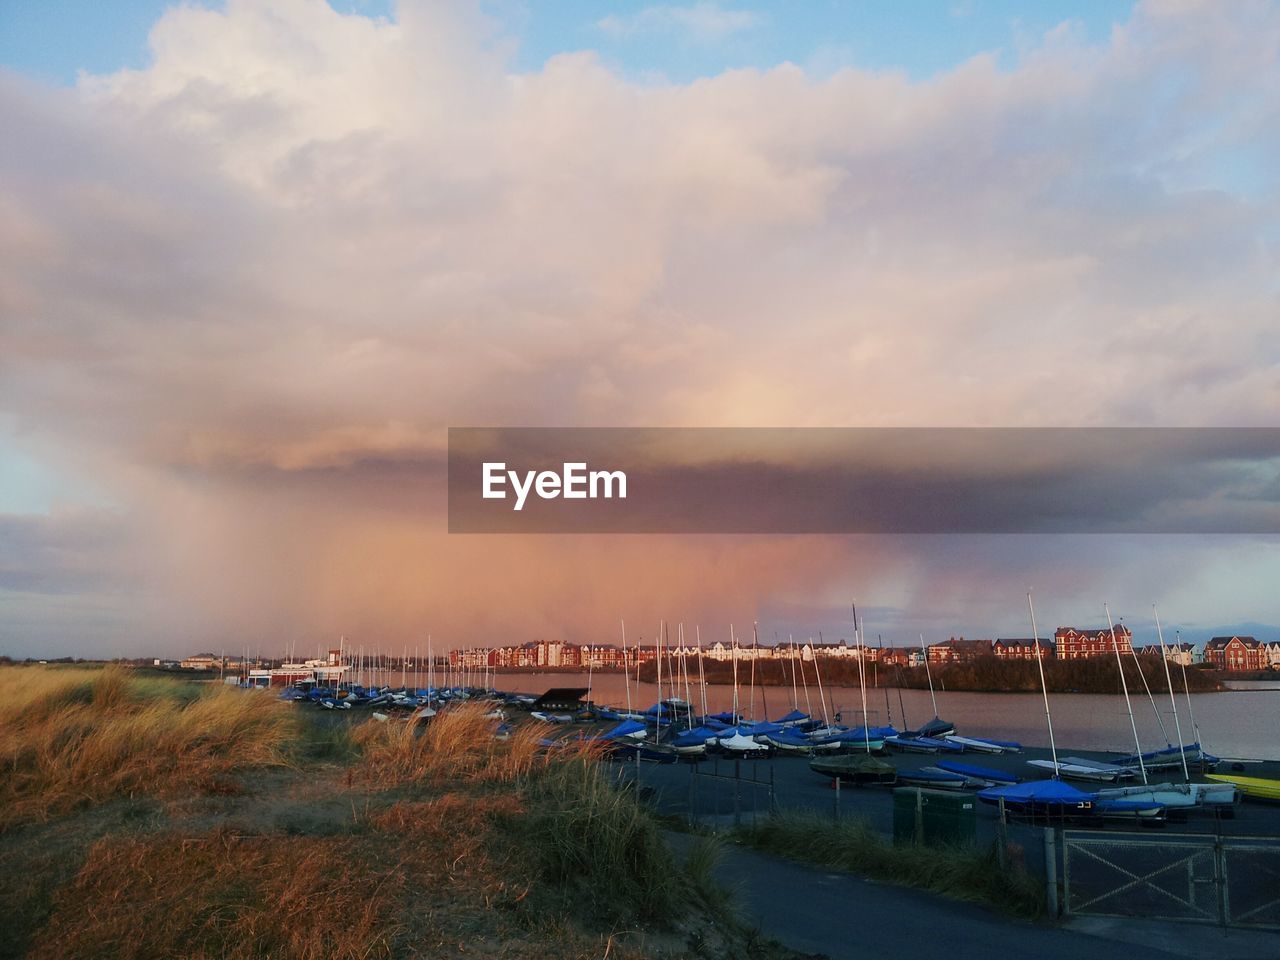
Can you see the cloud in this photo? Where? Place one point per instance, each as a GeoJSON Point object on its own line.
{"type": "Point", "coordinates": [704, 21]}
{"type": "Point", "coordinates": [247, 288]}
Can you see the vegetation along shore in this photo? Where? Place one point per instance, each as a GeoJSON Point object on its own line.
{"type": "Point", "coordinates": [981, 675]}
{"type": "Point", "coordinates": [144, 817]}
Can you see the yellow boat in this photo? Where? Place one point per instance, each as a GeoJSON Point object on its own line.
{"type": "Point", "coordinates": [1254, 788]}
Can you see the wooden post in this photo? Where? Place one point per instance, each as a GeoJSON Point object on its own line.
{"type": "Point", "coordinates": [1050, 873]}
{"type": "Point", "coordinates": [1002, 838]}
{"type": "Point", "coordinates": [919, 816]}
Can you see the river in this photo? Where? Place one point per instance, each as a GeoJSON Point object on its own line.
{"type": "Point", "coordinates": [1243, 722]}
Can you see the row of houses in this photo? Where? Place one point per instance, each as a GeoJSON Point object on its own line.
{"type": "Point", "coordinates": [1068, 643]}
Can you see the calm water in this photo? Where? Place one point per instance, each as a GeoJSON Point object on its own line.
{"type": "Point", "coordinates": [1244, 722]}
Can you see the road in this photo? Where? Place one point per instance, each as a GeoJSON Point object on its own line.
{"type": "Point", "coordinates": [839, 916]}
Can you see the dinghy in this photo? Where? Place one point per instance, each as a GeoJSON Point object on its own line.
{"type": "Point", "coordinates": [937, 779]}
{"type": "Point", "coordinates": [1041, 798]}
{"type": "Point", "coordinates": [996, 777]}
{"type": "Point", "coordinates": [913, 744]}
{"type": "Point", "coordinates": [855, 768]}
{"type": "Point", "coordinates": [735, 741]}
{"type": "Point", "coordinates": [1176, 796]}
{"type": "Point", "coordinates": [983, 745]}
{"type": "Point", "coordinates": [1079, 768]}
{"type": "Point", "coordinates": [1253, 788]}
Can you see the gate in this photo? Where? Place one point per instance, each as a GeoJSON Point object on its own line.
{"type": "Point", "coordinates": [1231, 881]}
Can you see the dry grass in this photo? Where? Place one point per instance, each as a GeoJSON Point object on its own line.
{"type": "Point", "coordinates": [223, 896]}
{"type": "Point", "coordinates": [457, 744]}
{"type": "Point", "coordinates": [69, 738]}
{"type": "Point", "coordinates": [456, 844]}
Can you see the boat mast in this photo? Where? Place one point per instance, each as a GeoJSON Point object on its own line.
{"type": "Point", "coordinates": [1154, 709]}
{"type": "Point", "coordinates": [1195, 727]}
{"type": "Point", "coordinates": [929, 673]}
{"type": "Point", "coordinates": [684, 668]}
{"type": "Point", "coordinates": [626, 671]}
{"type": "Point", "coordinates": [702, 670]}
{"type": "Point", "coordinates": [1173, 700]}
{"type": "Point", "coordinates": [862, 677]}
{"type": "Point", "coordinates": [755, 650]}
{"type": "Point", "coordinates": [733, 643]}
{"type": "Point", "coordinates": [888, 711]}
{"type": "Point", "coordinates": [1044, 688]}
{"type": "Point", "coordinates": [795, 693]}
{"type": "Point", "coordinates": [817, 672]}
{"type": "Point", "coordinates": [1124, 686]}
{"type": "Point", "coordinates": [808, 704]}
{"type": "Point", "coordinates": [657, 655]}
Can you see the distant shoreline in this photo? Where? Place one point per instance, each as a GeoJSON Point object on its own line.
{"type": "Point", "coordinates": [983, 675]}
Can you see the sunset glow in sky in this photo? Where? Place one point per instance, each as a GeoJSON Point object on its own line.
{"type": "Point", "coordinates": [256, 257]}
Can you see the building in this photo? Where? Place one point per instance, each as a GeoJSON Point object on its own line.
{"type": "Point", "coordinates": [1273, 654]}
{"type": "Point", "coordinates": [1182, 654]}
{"type": "Point", "coordinates": [1073, 644]}
{"type": "Point", "coordinates": [959, 651]}
{"type": "Point", "coordinates": [901, 657]}
{"type": "Point", "coordinates": [1237, 653]}
{"type": "Point", "coordinates": [1021, 649]}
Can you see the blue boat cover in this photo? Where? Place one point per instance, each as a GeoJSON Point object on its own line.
{"type": "Point", "coordinates": [1037, 791]}
{"type": "Point", "coordinates": [691, 738]}
{"type": "Point", "coordinates": [764, 726]}
{"type": "Point", "coordinates": [793, 716]}
{"type": "Point", "coordinates": [793, 737]}
{"type": "Point", "coordinates": [625, 729]}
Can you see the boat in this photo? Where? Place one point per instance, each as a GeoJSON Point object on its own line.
{"type": "Point", "coordinates": [551, 717]}
{"type": "Point", "coordinates": [735, 741]}
{"type": "Point", "coordinates": [996, 777]}
{"type": "Point", "coordinates": [908, 743]}
{"type": "Point", "coordinates": [983, 744]}
{"type": "Point", "coordinates": [1079, 768]}
{"type": "Point", "coordinates": [1176, 796]}
{"type": "Point", "coordinates": [787, 741]}
{"type": "Point", "coordinates": [1048, 798]}
{"type": "Point", "coordinates": [1253, 788]}
{"type": "Point", "coordinates": [855, 768]}
{"type": "Point", "coordinates": [937, 779]}
{"type": "Point", "coordinates": [866, 740]}
{"type": "Point", "coordinates": [1171, 757]}
{"type": "Point", "coordinates": [935, 729]}
{"type": "Point", "coordinates": [796, 718]}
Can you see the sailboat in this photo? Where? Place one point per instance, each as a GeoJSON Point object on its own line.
{"type": "Point", "coordinates": [1052, 798]}
{"type": "Point", "coordinates": [1217, 796]}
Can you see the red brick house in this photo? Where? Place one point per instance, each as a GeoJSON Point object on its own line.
{"type": "Point", "coordinates": [1073, 644]}
{"type": "Point", "coordinates": [955, 651]}
{"type": "Point", "coordinates": [1236, 653]}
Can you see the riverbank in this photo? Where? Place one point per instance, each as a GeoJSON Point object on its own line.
{"type": "Point", "coordinates": [983, 675]}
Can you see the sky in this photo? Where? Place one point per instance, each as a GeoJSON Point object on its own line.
{"type": "Point", "coordinates": [256, 257]}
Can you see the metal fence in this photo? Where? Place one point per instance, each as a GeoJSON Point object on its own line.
{"type": "Point", "coordinates": [1231, 881]}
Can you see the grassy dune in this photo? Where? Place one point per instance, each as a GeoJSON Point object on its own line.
{"type": "Point", "coordinates": [149, 818]}
{"type": "Point", "coordinates": [70, 738]}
